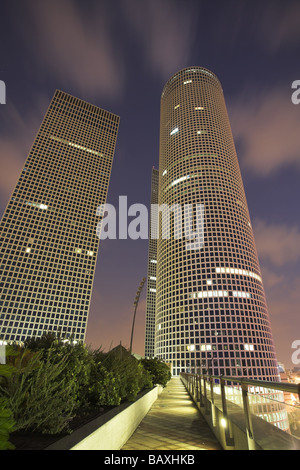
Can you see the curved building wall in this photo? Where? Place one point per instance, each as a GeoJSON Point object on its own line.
{"type": "Point", "coordinates": [211, 312]}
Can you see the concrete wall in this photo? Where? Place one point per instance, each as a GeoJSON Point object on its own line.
{"type": "Point", "coordinates": [112, 430]}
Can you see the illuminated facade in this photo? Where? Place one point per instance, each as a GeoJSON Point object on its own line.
{"type": "Point", "coordinates": [211, 312]}
{"type": "Point", "coordinates": [48, 242]}
{"type": "Point", "coordinates": [151, 277]}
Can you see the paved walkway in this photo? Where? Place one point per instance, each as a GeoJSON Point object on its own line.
{"type": "Point", "coordinates": [173, 423]}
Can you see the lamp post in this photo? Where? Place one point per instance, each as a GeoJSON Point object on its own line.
{"type": "Point", "coordinates": [135, 303]}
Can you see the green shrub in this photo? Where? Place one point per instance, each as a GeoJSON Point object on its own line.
{"type": "Point", "coordinates": [159, 371]}
{"type": "Point", "coordinates": [130, 375]}
{"type": "Point", "coordinates": [39, 393]}
{"type": "Point", "coordinates": [49, 380]}
{"type": "Point", "coordinates": [78, 363]}
{"type": "Point", "coordinates": [102, 390]}
{"type": "Point", "coordinates": [7, 423]}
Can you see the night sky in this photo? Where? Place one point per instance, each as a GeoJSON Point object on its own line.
{"type": "Point", "coordinates": [118, 55]}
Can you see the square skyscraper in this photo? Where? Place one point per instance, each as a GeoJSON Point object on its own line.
{"type": "Point", "coordinates": [48, 242]}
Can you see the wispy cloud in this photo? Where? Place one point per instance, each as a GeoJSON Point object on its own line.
{"type": "Point", "coordinates": [74, 46]}
{"type": "Point", "coordinates": [267, 124]}
{"type": "Point", "coordinates": [278, 247]}
{"type": "Point", "coordinates": [278, 27]}
{"type": "Point", "coordinates": [283, 300]}
{"type": "Point", "coordinates": [13, 151]}
{"type": "Point", "coordinates": [165, 29]}
{"type": "Point", "coordinates": [277, 243]}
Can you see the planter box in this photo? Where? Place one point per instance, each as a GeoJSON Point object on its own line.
{"type": "Point", "coordinates": [111, 431]}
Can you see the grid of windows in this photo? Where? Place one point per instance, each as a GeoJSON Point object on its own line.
{"type": "Point", "coordinates": [151, 277]}
{"type": "Point", "coordinates": [48, 240]}
{"type": "Point", "coordinates": [211, 313]}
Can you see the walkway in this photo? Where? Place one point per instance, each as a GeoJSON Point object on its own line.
{"type": "Point", "coordinates": [173, 423]}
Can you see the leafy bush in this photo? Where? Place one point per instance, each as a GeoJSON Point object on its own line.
{"type": "Point", "coordinates": [103, 390]}
{"type": "Point", "coordinates": [159, 371]}
{"type": "Point", "coordinates": [49, 381]}
{"type": "Point", "coordinates": [7, 423]}
{"type": "Point", "coordinates": [39, 393]}
{"type": "Point", "coordinates": [78, 362]}
{"type": "Point", "coordinates": [130, 375]}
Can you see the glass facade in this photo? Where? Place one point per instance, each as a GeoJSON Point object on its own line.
{"type": "Point", "coordinates": [211, 312]}
{"type": "Point", "coordinates": [151, 276]}
{"type": "Point", "coordinates": [48, 239]}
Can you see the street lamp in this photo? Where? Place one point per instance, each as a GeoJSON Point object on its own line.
{"type": "Point", "coordinates": [135, 303]}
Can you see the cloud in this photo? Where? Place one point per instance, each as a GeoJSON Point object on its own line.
{"type": "Point", "coordinates": [13, 151]}
{"type": "Point", "coordinates": [278, 247]}
{"type": "Point", "coordinates": [278, 27]}
{"type": "Point", "coordinates": [266, 124]}
{"type": "Point", "coordinates": [283, 299]}
{"type": "Point", "coordinates": [278, 244]}
{"type": "Point", "coordinates": [74, 46]}
{"type": "Point", "coordinates": [165, 29]}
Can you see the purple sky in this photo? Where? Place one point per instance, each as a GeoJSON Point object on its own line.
{"type": "Point", "coordinates": [118, 54]}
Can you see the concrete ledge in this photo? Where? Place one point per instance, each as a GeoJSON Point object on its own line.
{"type": "Point", "coordinates": [112, 430]}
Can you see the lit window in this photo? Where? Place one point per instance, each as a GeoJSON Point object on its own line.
{"type": "Point", "coordinates": [153, 261]}
{"type": "Point", "coordinates": [183, 178]}
{"type": "Point", "coordinates": [36, 204]}
{"type": "Point", "coordinates": [27, 250]}
{"type": "Point", "coordinates": [165, 172]}
{"type": "Point", "coordinates": [153, 278]}
{"type": "Point", "coordinates": [187, 81]}
{"type": "Point", "coordinates": [90, 253]}
{"type": "Point", "coordinates": [209, 293]}
{"type": "Point", "coordinates": [191, 347]}
{"type": "Point", "coordinates": [237, 293]}
{"type": "Point", "coordinates": [77, 250]}
{"type": "Point", "coordinates": [174, 131]}
{"type": "Point", "coordinates": [152, 290]}
{"type": "Point", "coordinates": [242, 272]}
{"type": "Point", "coordinates": [177, 106]}
{"type": "Point", "coordinates": [201, 132]}
{"type": "Point", "coordinates": [205, 347]}
{"type": "Point", "coordinates": [72, 144]}
{"type": "Point", "coordinates": [249, 347]}
{"type": "Point", "coordinates": [198, 108]}
{"type": "Point", "coordinates": [209, 282]}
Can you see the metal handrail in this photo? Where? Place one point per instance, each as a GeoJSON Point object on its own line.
{"type": "Point", "coordinates": [244, 382]}
{"type": "Point", "coordinates": [281, 386]}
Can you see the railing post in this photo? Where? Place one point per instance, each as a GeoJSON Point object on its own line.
{"type": "Point", "coordinates": [247, 414]}
{"type": "Point", "coordinates": [228, 434]}
{"type": "Point", "coordinates": [213, 408]}
{"type": "Point", "coordinates": [207, 410]}
{"type": "Point", "coordinates": [200, 391]}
